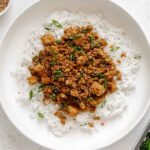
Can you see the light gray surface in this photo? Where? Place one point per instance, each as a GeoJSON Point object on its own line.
{"type": "Point", "coordinates": [11, 139]}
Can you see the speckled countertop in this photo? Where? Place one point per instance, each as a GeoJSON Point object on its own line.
{"type": "Point", "coordinates": [11, 139]}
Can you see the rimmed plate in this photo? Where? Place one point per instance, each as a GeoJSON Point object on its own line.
{"type": "Point", "coordinates": [12, 47]}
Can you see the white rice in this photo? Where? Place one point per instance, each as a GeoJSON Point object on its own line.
{"type": "Point", "coordinates": [115, 103]}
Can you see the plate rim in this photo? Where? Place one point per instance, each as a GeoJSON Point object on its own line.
{"type": "Point", "coordinates": [109, 143]}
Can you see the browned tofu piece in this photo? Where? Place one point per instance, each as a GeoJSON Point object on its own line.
{"type": "Point", "coordinates": [72, 111]}
{"type": "Point", "coordinates": [32, 80]}
{"type": "Point", "coordinates": [82, 60]}
{"type": "Point", "coordinates": [97, 89]}
{"type": "Point", "coordinates": [48, 39]}
{"type": "Point", "coordinates": [46, 80]}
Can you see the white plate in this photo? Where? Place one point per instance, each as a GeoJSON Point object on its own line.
{"type": "Point", "coordinates": [12, 47]}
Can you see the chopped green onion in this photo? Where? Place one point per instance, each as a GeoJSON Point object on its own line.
{"type": "Point", "coordinates": [81, 75]}
{"type": "Point", "coordinates": [70, 44]}
{"type": "Point", "coordinates": [98, 44]}
{"type": "Point", "coordinates": [57, 74]}
{"type": "Point", "coordinates": [77, 48]}
{"type": "Point", "coordinates": [31, 94]}
{"type": "Point", "coordinates": [102, 76]}
{"type": "Point", "coordinates": [84, 124]}
{"type": "Point", "coordinates": [89, 99]}
{"type": "Point", "coordinates": [56, 77]}
{"type": "Point", "coordinates": [40, 88]}
{"type": "Point", "coordinates": [137, 57]}
{"type": "Point", "coordinates": [53, 96]}
{"type": "Point", "coordinates": [58, 41]}
{"type": "Point", "coordinates": [47, 28]}
{"type": "Point", "coordinates": [54, 57]}
{"type": "Point", "coordinates": [75, 37]}
{"type": "Point", "coordinates": [53, 63]}
{"type": "Point", "coordinates": [105, 83]}
{"type": "Point", "coordinates": [99, 75]}
{"type": "Point", "coordinates": [103, 104]}
{"type": "Point", "coordinates": [40, 115]}
{"type": "Point", "coordinates": [72, 57]}
{"type": "Point", "coordinates": [91, 38]}
{"type": "Point", "coordinates": [86, 31]}
{"type": "Point", "coordinates": [63, 105]}
{"type": "Point", "coordinates": [56, 23]}
{"type": "Point", "coordinates": [34, 58]}
{"type": "Point", "coordinates": [53, 52]}
{"type": "Point", "coordinates": [71, 38]}
{"type": "Point", "coordinates": [114, 48]}
{"type": "Point", "coordinates": [92, 41]}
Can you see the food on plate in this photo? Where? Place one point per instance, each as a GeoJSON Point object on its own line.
{"type": "Point", "coordinates": [77, 71]}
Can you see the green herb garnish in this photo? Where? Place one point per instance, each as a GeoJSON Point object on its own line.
{"type": "Point", "coordinates": [70, 44]}
{"type": "Point", "coordinates": [91, 38]}
{"type": "Point", "coordinates": [40, 88]}
{"type": "Point", "coordinates": [58, 41]}
{"type": "Point", "coordinates": [31, 94]}
{"type": "Point", "coordinates": [81, 75]}
{"type": "Point", "coordinates": [53, 96]}
{"type": "Point", "coordinates": [56, 77]}
{"type": "Point", "coordinates": [53, 63]}
{"type": "Point", "coordinates": [63, 105]}
{"type": "Point", "coordinates": [89, 99]}
{"type": "Point", "coordinates": [36, 91]}
{"type": "Point", "coordinates": [54, 57]}
{"type": "Point", "coordinates": [47, 28]}
{"type": "Point", "coordinates": [102, 76]}
{"type": "Point", "coordinates": [56, 23]}
{"type": "Point", "coordinates": [99, 75]}
{"type": "Point", "coordinates": [84, 124]}
{"type": "Point", "coordinates": [57, 74]}
{"type": "Point", "coordinates": [72, 57]}
{"type": "Point", "coordinates": [105, 83]}
{"type": "Point", "coordinates": [98, 44]}
{"type": "Point", "coordinates": [53, 52]}
{"type": "Point", "coordinates": [114, 48]}
{"type": "Point", "coordinates": [77, 48]}
{"type": "Point", "coordinates": [75, 37]}
{"type": "Point", "coordinates": [40, 115]}
{"type": "Point", "coordinates": [92, 41]}
{"type": "Point", "coordinates": [34, 58]}
{"type": "Point", "coordinates": [137, 57]}
{"type": "Point", "coordinates": [86, 31]}
{"type": "Point", "coordinates": [103, 104]}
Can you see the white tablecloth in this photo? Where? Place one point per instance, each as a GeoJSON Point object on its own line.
{"type": "Point", "coordinates": [11, 139]}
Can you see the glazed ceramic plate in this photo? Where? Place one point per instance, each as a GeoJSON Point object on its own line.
{"type": "Point", "coordinates": [12, 47]}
